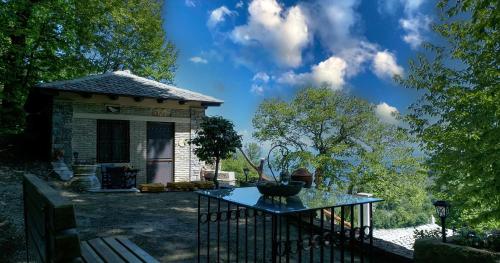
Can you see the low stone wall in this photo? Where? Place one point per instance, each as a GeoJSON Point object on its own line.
{"type": "Point", "coordinates": [433, 250]}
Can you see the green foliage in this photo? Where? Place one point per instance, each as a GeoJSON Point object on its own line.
{"type": "Point", "coordinates": [341, 138]}
{"type": "Point", "coordinates": [215, 140]}
{"type": "Point", "coordinates": [190, 186]}
{"type": "Point", "coordinates": [236, 162]}
{"type": "Point", "coordinates": [457, 118]}
{"type": "Point", "coordinates": [427, 233]}
{"type": "Point", "coordinates": [43, 41]}
{"type": "Point", "coordinates": [489, 240]}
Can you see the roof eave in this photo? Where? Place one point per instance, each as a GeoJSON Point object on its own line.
{"type": "Point", "coordinates": [51, 90]}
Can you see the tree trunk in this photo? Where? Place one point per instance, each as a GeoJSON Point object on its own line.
{"type": "Point", "coordinates": [216, 175]}
{"type": "Point", "coordinates": [318, 177]}
{"type": "Point", "coordinates": [14, 82]}
{"type": "Point", "coordinates": [259, 169]}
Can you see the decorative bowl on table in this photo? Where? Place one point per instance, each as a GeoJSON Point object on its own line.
{"type": "Point", "coordinates": [278, 189]}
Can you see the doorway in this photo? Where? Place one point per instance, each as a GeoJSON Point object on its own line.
{"type": "Point", "coordinates": [160, 152]}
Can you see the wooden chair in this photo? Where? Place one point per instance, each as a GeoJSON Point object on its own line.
{"type": "Point", "coordinates": [118, 177]}
{"type": "Point", "coordinates": [52, 236]}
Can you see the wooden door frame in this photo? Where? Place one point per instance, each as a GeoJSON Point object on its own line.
{"type": "Point", "coordinates": [173, 148]}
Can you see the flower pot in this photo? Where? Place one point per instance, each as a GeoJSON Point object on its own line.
{"type": "Point", "coordinates": [303, 175]}
{"type": "Point", "coordinates": [84, 178]}
{"type": "Point", "coordinates": [284, 190]}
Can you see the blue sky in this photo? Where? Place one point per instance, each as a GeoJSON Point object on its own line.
{"type": "Point", "coordinates": [246, 51]}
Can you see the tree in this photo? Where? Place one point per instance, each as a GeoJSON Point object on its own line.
{"type": "Point", "coordinates": [50, 40]}
{"type": "Point", "coordinates": [342, 140]}
{"type": "Point", "coordinates": [324, 126]}
{"type": "Point", "coordinates": [215, 140]}
{"type": "Point", "coordinates": [457, 117]}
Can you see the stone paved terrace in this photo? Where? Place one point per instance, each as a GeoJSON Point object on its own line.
{"type": "Point", "coordinates": [163, 224]}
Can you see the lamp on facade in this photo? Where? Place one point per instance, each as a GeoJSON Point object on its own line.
{"type": "Point", "coordinates": [443, 210]}
{"type": "Point", "coordinates": [246, 171]}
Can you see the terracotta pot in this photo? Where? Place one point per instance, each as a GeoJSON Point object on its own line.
{"type": "Point", "coordinates": [303, 175]}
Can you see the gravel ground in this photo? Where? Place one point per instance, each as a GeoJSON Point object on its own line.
{"type": "Point", "coordinates": [11, 207]}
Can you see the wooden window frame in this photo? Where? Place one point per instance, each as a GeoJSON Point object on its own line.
{"type": "Point", "coordinates": [124, 126]}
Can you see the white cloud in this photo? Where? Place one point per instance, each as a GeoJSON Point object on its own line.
{"type": "Point", "coordinates": [239, 4]}
{"type": "Point", "coordinates": [291, 78]}
{"type": "Point", "coordinates": [413, 22]}
{"type": "Point", "coordinates": [388, 6]}
{"type": "Point", "coordinates": [330, 73]}
{"type": "Point", "coordinates": [257, 89]}
{"type": "Point", "coordinates": [412, 5]}
{"type": "Point", "coordinates": [190, 3]}
{"type": "Point", "coordinates": [334, 22]}
{"type": "Point", "coordinates": [284, 33]}
{"type": "Point", "coordinates": [356, 56]}
{"type": "Point", "coordinates": [385, 66]}
{"type": "Point", "coordinates": [261, 76]}
{"type": "Point", "coordinates": [218, 15]}
{"type": "Point", "coordinates": [386, 113]}
{"type": "Point", "coordinates": [198, 60]}
{"type": "Point", "coordinates": [414, 28]}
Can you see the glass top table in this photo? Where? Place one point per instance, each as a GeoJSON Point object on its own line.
{"type": "Point", "coordinates": [307, 199]}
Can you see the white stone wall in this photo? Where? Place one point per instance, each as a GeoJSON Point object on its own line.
{"type": "Point", "coordinates": [181, 152]}
{"type": "Point", "coordinates": [138, 149]}
{"type": "Point", "coordinates": [196, 116]}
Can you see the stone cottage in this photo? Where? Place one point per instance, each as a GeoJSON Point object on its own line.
{"type": "Point", "coordinates": [123, 119]}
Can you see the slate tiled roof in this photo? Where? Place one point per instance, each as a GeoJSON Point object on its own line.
{"type": "Point", "coordinates": [126, 84]}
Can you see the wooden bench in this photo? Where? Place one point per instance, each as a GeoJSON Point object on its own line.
{"type": "Point", "coordinates": [52, 236]}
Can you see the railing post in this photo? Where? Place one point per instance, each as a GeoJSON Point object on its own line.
{"type": "Point", "coordinates": [366, 208]}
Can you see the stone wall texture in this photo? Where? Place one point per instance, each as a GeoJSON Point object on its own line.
{"type": "Point", "coordinates": [79, 134]}
{"type": "Point", "coordinates": [138, 148]}
{"type": "Point", "coordinates": [84, 139]}
{"type": "Point", "coordinates": [62, 118]}
{"type": "Point", "coordinates": [196, 165]}
{"type": "Point", "coordinates": [181, 152]}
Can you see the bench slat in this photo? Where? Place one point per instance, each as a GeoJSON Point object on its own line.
{"type": "Point", "coordinates": [104, 251]}
{"type": "Point", "coordinates": [121, 250]}
{"type": "Point", "coordinates": [143, 255]}
{"type": "Point", "coordinates": [88, 254]}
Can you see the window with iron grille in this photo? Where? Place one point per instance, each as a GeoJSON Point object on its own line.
{"type": "Point", "coordinates": [113, 141]}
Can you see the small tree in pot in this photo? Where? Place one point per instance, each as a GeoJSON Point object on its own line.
{"type": "Point", "coordinates": [215, 140]}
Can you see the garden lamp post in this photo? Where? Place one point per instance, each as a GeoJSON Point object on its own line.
{"type": "Point", "coordinates": [442, 209]}
{"type": "Point", "coordinates": [246, 171]}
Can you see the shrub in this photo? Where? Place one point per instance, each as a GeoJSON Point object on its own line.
{"type": "Point", "coordinates": [427, 233]}
{"type": "Point", "coordinates": [489, 240]}
{"type": "Point", "coordinates": [190, 186]}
